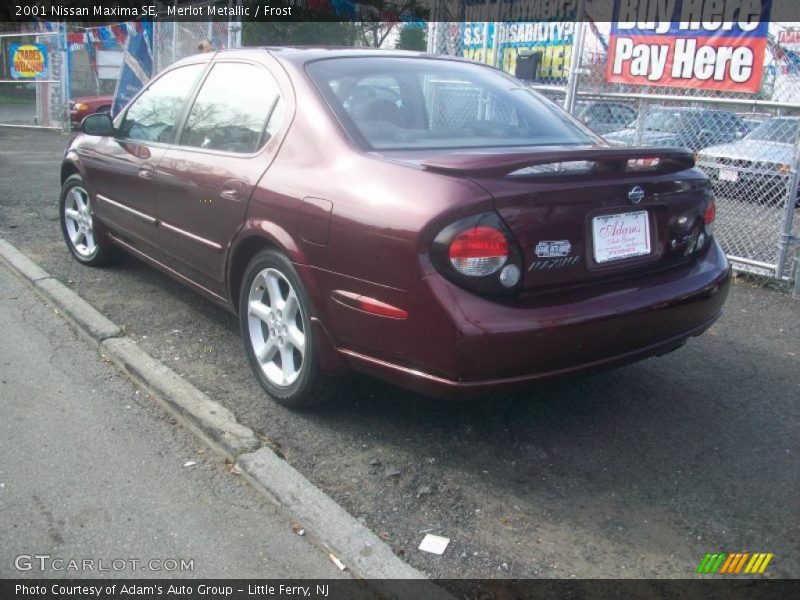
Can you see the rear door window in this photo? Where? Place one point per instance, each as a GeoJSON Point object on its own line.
{"type": "Point", "coordinates": [232, 110]}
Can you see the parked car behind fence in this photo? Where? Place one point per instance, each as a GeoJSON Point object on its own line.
{"type": "Point", "coordinates": [692, 128]}
{"type": "Point", "coordinates": [88, 105]}
{"type": "Point", "coordinates": [757, 167]}
{"type": "Point", "coordinates": [603, 116]}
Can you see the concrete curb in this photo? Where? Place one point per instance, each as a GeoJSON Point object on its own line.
{"type": "Point", "coordinates": [211, 421]}
{"type": "Point", "coordinates": [359, 548]}
{"type": "Point", "coordinates": [366, 555]}
{"type": "Point", "coordinates": [86, 318]}
{"type": "Point", "coordinates": [21, 263]}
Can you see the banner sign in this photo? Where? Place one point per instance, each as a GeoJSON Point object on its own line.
{"type": "Point", "coordinates": [552, 39]}
{"type": "Point", "coordinates": [137, 68]}
{"type": "Point", "coordinates": [706, 44]}
{"type": "Point", "coordinates": [28, 61]}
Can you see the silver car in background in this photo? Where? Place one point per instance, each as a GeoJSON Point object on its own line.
{"type": "Point", "coordinates": [757, 167]}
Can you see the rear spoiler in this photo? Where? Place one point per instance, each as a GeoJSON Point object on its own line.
{"type": "Point", "coordinates": [606, 160]}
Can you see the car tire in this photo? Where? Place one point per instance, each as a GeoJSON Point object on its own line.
{"type": "Point", "coordinates": [84, 236]}
{"type": "Point", "coordinates": [275, 318]}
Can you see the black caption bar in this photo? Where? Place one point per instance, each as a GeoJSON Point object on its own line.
{"type": "Point", "coordinates": [411, 11]}
{"type": "Point", "coordinates": [352, 589]}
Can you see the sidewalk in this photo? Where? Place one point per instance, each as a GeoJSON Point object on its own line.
{"type": "Point", "coordinates": [93, 470]}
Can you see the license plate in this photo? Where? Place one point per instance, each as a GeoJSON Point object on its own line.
{"type": "Point", "coordinates": [728, 175]}
{"type": "Point", "coordinates": [621, 236]}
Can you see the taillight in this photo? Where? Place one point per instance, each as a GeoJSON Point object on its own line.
{"type": "Point", "coordinates": [478, 251]}
{"type": "Point", "coordinates": [709, 216]}
{"type": "Point", "coordinates": [711, 213]}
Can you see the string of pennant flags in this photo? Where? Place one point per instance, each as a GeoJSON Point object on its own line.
{"type": "Point", "coordinates": [107, 37]}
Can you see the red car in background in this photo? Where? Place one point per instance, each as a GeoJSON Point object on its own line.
{"type": "Point", "coordinates": [88, 105]}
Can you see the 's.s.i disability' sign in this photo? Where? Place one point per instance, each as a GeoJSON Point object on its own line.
{"type": "Point", "coordinates": [709, 44]}
{"type": "Point", "coordinates": [28, 61]}
{"type": "Point", "coordinates": [553, 40]}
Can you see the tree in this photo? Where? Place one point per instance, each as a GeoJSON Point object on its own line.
{"type": "Point", "coordinates": [373, 33]}
{"type": "Point", "coordinates": [297, 33]}
{"type": "Point", "coordinates": [413, 37]}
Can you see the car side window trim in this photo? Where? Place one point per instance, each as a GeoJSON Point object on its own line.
{"type": "Point", "coordinates": [188, 103]}
{"type": "Point", "coordinates": [262, 141]}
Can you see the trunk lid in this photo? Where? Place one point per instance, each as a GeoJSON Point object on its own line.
{"type": "Point", "coordinates": [589, 213]}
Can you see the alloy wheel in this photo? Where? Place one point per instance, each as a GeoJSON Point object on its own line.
{"type": "Point", "coordinates": [79, 222]}
{"type": "Point", "coordinates": [275, 323]}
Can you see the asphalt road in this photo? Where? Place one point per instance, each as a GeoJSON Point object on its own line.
{"type": "Point", "coordinates": [636, 473]}
{"type": "Point", "coordinates": [92, 470]}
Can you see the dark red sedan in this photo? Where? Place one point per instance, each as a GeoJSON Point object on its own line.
{"type": "Point", "coordinates": [88, 105]}
{"type": "Point", "coordinates": [428, 221]}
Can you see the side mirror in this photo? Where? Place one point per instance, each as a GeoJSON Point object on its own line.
{"type": "Point", "coordinates": [98, 124]}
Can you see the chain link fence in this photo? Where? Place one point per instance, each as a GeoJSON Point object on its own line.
{"type": "Point", "coordinates": [174, 40]}
{"type": "Point", "coordinates": [94, 63]}
{"type": "Point", "coordinates": [747, 143]}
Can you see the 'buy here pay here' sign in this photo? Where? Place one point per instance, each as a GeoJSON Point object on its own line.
{"type": "Point", "coordinates": [710, 44]}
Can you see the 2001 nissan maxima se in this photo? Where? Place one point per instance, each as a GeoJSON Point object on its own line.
{"type": "Point", "coordinates": [427, 221]}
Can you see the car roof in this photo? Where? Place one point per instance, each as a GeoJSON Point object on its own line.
{"type": "Point", "coordinates": [299, 55]}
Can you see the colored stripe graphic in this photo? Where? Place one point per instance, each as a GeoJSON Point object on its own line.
{"type": "Point", "coordinates": [764, 564]}
{"type": "Point", "coordinates": [702, 567]}
{"type": "Point", "coordinates": [711, 562]}
{"type": "Point", "coordinates": [718, 562]}
{"type": "Point", "coordinates": [741, 562]}
{"type": "Point", "coordinates": [732, 558]}
{"type": "Point", "coordinates": [731, 564]}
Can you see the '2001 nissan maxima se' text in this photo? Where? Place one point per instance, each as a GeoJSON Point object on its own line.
{"type": "Point", "coordinates": [428, 221]}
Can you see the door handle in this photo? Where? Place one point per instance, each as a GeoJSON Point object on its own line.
{"type": "Point", "coordinates": [234, 189]}
{"type": "Point", "coordinates": [146, 171]}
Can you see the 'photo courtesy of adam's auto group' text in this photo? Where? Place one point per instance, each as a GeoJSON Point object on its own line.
{"type": "Point", "coordinates": [399, 299]}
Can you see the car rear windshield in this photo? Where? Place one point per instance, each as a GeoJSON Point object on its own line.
{"type": "Point", "coordinates": [391, 103]}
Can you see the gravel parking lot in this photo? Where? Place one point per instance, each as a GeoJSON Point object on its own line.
{"type": "Point", "coordinates": [632, 473]}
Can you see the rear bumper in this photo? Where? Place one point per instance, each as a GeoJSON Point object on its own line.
{"type": "Point", "coordinates": [504, 346]}
{"type": "Point", "coordinates": [431, 385]}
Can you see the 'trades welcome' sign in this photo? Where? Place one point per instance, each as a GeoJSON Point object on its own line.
{"type": "Point", "coordinates": [709, 44]}
{"type": "Point", "coordinates": [28, 61]}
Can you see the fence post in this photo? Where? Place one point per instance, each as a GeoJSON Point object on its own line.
{"type": "Point", "coordinates": [575, 59]}
{"type": "Point", "coordinates": [431, 49]}
{"type": "Point", "coordinates": [65, 77]}
{"type": "Point", "coordinates": [786, 237]}
{"type": "Point", "coordinates": [796, 288]}
{"type": "Point", "coordinates": [485, 51]}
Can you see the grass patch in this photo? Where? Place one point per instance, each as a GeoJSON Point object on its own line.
{"type": "Point", "coordinates": [12, 99]}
